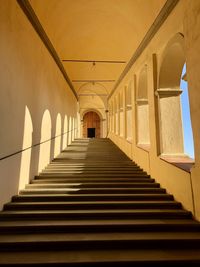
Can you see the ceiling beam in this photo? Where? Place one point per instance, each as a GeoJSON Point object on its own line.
{"type": "Point", "coordinates": [160, 19]}
{"type": "Point", "coordinates": [94, 61]}
{"type": "Point", "coordinates": [93, 81]}
{"type": "Point", "coordinates": [92, 95]}
{"type": "Point", "coordinates": [32, 17]}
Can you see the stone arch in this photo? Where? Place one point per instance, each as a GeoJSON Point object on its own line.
{"type": "Point", "coordinates": [172, 63]}
{"type": "Point", "coordinates": [91, 124]}
{"type": "Point", "coordinates": [142, 110]}
{"type": "Point", "coordinates": [128, 111]}
{"type": "Point", "coordinates": [121, 113]}
{"type": "Point", "coordinates": [168, 92]}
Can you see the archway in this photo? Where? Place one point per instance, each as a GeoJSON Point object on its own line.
{"type": "Point", "coordinates": [91, 125]}
{"type": "Point", "coordinates": [143, 137]}
{"type": "Point", "coordinates": [168, 92]}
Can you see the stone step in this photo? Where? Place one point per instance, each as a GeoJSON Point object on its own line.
{"type": "Point", "coordinates": [90, 197]}
{"type": "Point", "coordinates": [101, 205]}
{"type": "Point", "coordinates": [165, 257]}
{"type": "Point", "coordinates": [95, 175]}
{"type": "Point", "coordinates": [100, 225]}
{"type": "Point", "coordinates": [93, 172]}
{"type": "Point", "coordinates": [39, 179]}
{"type": "Point", "coordinates": [96, 214]}
{"type": "Point", "coordinates": [90, 168]}
{"type": "Point", "coordinates": [93, 185]}
{"type": "Point", "coordinates": [118, 240]}
{"type": "Point", "coordinates": [92, 191]}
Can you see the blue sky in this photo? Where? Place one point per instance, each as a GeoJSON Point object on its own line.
{"type": "Point", "coordinates": [188, 136]}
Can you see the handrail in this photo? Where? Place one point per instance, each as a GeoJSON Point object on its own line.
{"type": "Point", "coordinates": [38, 144]}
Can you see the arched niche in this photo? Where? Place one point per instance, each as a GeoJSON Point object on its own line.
{"type": "Point", "coordinates": [168, 93]}
{"type": "Point", "coordinates": [91, 125]}
{"type": "Point", "coordinates": [142, 109]}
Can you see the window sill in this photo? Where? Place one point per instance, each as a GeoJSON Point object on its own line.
{"type": "Point", "coordinates": [129, 140]}
{"type": "Point", "coordinates": [182, 162]}
{"type": "Point", "coordinates": [145, 147]}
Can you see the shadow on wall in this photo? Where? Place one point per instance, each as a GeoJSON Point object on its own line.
{"type": "Point", "coordinates": [19, 167]}
{"type": "Point", "coordinates": [57, 146]}
{"type": "Point", "coordinates": [45, 141]}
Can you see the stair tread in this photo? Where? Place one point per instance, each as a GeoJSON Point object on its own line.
{"type": "Point", "coordinates": [93, 206]}
{"type": "Point", "coordinates": [102, 222]}
{"type": "Point", "coordinates": [117, 236]}
{"type": "Point", "coordinates": [103, 256]}
{"type": "Point", "coordinates": [107, 211]}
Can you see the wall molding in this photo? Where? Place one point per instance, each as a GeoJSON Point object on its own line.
{"type": "Point", "coordinates": [160, 19]}
{"type": "Point", "coordinates": [32, 17]}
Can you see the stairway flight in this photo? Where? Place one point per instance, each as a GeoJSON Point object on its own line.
{"type": "Point", "coordinates": [93, 206]}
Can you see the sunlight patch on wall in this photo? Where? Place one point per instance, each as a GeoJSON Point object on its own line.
{"type": "Point", "coordinates": [26, 155]}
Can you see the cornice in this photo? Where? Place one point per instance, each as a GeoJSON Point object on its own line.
{"type": "Point", "coordinates": [160, 19]}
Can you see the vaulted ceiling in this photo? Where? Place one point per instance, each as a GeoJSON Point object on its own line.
{"type": "Point", "coordinates": [95, 39]}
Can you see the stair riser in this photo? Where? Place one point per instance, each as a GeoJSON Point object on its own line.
{"type": "Point", "coordinates": [28, 229]}
{"type": "Point", "coordinates": [124, 215]}
{"type": "Point", "coordinates": [91, 198]}
{"type": "Point", "coordinates": [91, 245]}
{"type": "Point", "coordinates": [94, 185]}
{"type": "Point", "coordinates": [91, 206]}
{"type": "Point", "coordinates": [90, 180]}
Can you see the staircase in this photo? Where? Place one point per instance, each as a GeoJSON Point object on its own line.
{"type": "Point", "coordinates": [93, 206]}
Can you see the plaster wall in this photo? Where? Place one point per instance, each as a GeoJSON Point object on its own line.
{"type": "Point", "coordinates": [171, 125]}
{"type": "Point", "coordinates": [192, 44]}
{"type": "Point", "coordinates": [129, 124]}
{"type": "Point", "coordinates": [143, 124]}
{"type": "Point", "coordinates": [177, 181]}
{"type": "Point", "coordinates": [31, 84]}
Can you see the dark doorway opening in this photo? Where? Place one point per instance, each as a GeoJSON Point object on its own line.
{"type": "Point", "coordinates": [90, 132]}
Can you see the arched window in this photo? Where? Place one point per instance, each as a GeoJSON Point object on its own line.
{"type": "Point", "coordinates": [168, 92]}
{"type": "Point", "coordinates": [116, 115]}
{"type": "Point", "coordinates": [187, 128]}
{"type": "Point", "coordinates": [121, 114]}
{"type": "Point", "coordinates": [128, 105]}
{"type": "Point", "coordinates": [142, 109]}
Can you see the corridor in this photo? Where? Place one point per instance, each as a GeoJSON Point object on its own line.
{"type": "Point", "coordinates": [92, 206]}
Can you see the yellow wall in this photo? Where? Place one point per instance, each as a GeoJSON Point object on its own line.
{"type": "Point", "coordinates": [35, 102]}
{"type": "Point", "coordinates": [177, 181]}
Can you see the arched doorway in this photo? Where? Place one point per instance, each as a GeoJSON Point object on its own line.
{"type": "Point", "coordinates": [91, 125]}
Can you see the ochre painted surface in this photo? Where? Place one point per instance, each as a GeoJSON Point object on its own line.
{"type": "Point", "coordinates": [35, 102]}
{"type": "Point", "coordinates": [143, 115]}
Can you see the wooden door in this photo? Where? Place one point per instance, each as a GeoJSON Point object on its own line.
{"type": "Point", "coordinates": [91, 120]}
